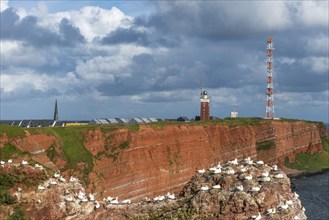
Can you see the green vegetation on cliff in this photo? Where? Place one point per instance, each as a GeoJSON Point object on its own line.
{"type": "Point", "coordinates": [11, 131]}
{"type": "Point", "coordinates": [315, 161]}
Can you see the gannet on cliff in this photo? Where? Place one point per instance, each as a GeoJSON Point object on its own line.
{"type": "Point", "coordinates": [219, 166]}
{"type": "Point", "coordinates": [242, 170]}
{"type": "Point", "coordinates": [57, 174]}
{"type": "Point", "coordinates": [97, 205]}
{"type": "Point", "coordinates": [10, 161]}
{"type": "Point", "coordinates": [212, 169]}
{"type": "Point", "coordinates": [248, 161]}
{"type": "Point", "coordinates": [39, 201]}
{"type": "Point", "coordinates": [217, 170]}
{"type": "Point", "coordinates": [2, 162]}
{"type": "Point", "coordinates": [91, 197]}
{"type": "Point", "coordinates": [234, 162]}
{"type": "Point", "coordinates": [239, 188]}
{"type": "Point", "coordinates": [265, 174]}
{"type": "Point", "coordinates": [270, 211]}
{"type": "Point", "coordinates": [24, 162]}
{"type": "Point", "coordinates": [114, 201]}
{"type": "Point", "coordinates": [170, 196]}
{"type": "Point", "coordinates": [230, 171]}
{"type": "Point", "coordinates": [68, 199]}
{"type": "Point", "coordinates": [296, 195]}
{"type": "Point", "coordinates": [249, 177]}
{"type": "Point", "coordinates": [73, 179]}
{"type": "Point", "coordinates": [19, 189]}
{"type": "Point", "coordinates": [265, 179]}
{"type": "Point", "coordinates": [278, 176]}
{"type": "Point", "coordinates": [284, 206]}
{"type": "Point", "coordinates": [256, 217]}
{"type": "Point", "coordinates": [275, 167]}
{"type": "Point", "coordinates": [40, 187]}
{"type": "Point", "coordinates": [216, 187]}
{"type": "Point", "coordinates": [53, 182]}
{"type": "Point", "coordinates": [62, 179]}
{"type": "Point", "coordinates": [204, 188]}
{"type": "Point", "coordinates": [290, 202]}
{"type": "Point", "coordinates": [126, 201]}
{"type": "Point", "coordinates": [159, 198]}
{"type": "Point", "coordinates": [201, 171]}
{"type": "Point", "coordinates": [38, 166]}
{"type": "Point", "coordinates": [255, 188]}
{"type": "Point", "coordinates": [260, 162]}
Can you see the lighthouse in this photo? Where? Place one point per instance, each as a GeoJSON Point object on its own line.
{"type": "Point", "coordinates": [204, 105]}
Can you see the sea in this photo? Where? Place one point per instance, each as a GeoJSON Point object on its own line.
{"type": "Point", "coordinates": [314, 194]}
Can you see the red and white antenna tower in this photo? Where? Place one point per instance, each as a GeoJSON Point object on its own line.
{"type": "Point", "coordinates": [269, 93]}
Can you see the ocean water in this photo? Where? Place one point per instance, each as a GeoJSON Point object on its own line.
{"type": "Point", "coordinates": [314, 194]}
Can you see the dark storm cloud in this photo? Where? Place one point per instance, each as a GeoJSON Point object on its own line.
{"type": "Point", "coordinates": [138, 37]}
{"type": "Point", "coordinates": [29, 31]}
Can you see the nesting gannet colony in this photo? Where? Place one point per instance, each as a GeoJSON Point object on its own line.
{"type": "Point", "coordinates": [237, 189]}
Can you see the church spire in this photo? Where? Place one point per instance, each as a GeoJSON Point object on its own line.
{"type": "Point", "coordinates": [56, 112]}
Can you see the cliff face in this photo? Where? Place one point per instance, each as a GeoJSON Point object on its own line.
{"type": "Point", "coordinates": [154, 160]}
{"type": "Point", "coordinates": [158, 160]}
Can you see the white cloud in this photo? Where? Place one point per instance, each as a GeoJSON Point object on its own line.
{"type": "Point", "coordinates": [312, 13]}
{"type": "Point", "coordinates": [318, 44]}
{"type": "Point", "coordinates": [319, 65]}
{"type": "Point", "coordinates": [91, 21]}
{"type": "Point", "coordinates": [3, 5]}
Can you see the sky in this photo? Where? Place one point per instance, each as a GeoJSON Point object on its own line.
{"type": "Point", "coordinates": [106, 59]}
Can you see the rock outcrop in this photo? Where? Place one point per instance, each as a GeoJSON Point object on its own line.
{"type": "Point", "coordinates": [234, 190]}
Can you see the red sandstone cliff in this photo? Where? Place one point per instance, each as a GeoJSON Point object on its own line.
{"type": "Point", "coordinates": [154, 160]}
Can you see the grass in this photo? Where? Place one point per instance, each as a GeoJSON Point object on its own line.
{"type": "Point", "coordinates": [11, 131]}
{"type": "Point", "coordinates": [265, 145]}
{"type": "Point", "coordinates": [316, 161]}
{"type": "Point", "coordinates": [8, 151]}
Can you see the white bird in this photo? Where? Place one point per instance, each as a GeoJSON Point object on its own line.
{"type": "Point", "coordinates": [68, 199]}
{"type": "Point", "coordinates": [66, 192]}
{"type": "Point", "coordinates": [248, 161]}
{"type": "Point", "coordinates": [265, 174]}
{"type": "Point", "coordinates": [234, 162]}
{"type": "Point", "coordinates": [40, 187]}
{"type": "Point", "coordinates": [216, 187]}
{"type": "Point", "coordinates": [270, 211]}
{"type": "Point", "coordinates": [39, 201]}
{"type": "Point", "coordinates": [240, 188]}
{"type": "Point", "coordinates": [260, 162]}
{"type": "Point", "coordinates": [91, 197]}
{"type": "Point", "coordinates": [278, 176]}
{"type": "Point", "coordinates": [38, 166]}
{"type": "Point", "coordinates": [109, 198]}
{"type": "Point", "coordinates": [73, 179]}
{"type": "Point", "coordinates": [201, 171]}
{"type": "Point", "coordinates": [53, 182]}
{"type": "Point", "coordinates": [265, 179]}
{"type": "Point", "coordinates": [284, 206]}
{"type": "Point", "coordinates": [275, 167]}
{"type": "Point", "coordinates": [170, 196]}
{"type": "Point", "coordinates": [62, 179]}
{"type": "Point", "coordinates": [212, 169]}
{"type": "Point", "coordinates": [10, 161]}
{"type": "Point", "coordinates": [97, 205]}
{"type": "Point", "coordinates": [296, 195]}
{"type": "Point", "coordinates": [146, 199]}
{"type": "Point", "coordinates": [256, 217]}
{"type": "Point", "coordinates": [115, 201]}
{"type": "Point", "coordinates": [19, 189]}
{"type": "Point", "coordinates": [303, 209]}
{"type": "Point", "coordinates": [249, 177]}
{"type": "Point", "coordinates": [218, 170]}
{"type": "Point", "coordinates": [290, 202]}
{"type": "Point", "coordinates": [24, 162]}
{"type": "Point", "coordinates": [126, 201]}
{"type": "Point", "coordinates": [219, 166]}
{"type": "Point", "coordinates": [56, 175]}
{"type": "Point", "coordinates": [204, 188]}
{"type": "Point", "coordinates": [159, 198]}
{"type": "Point", "coordinates": [230, 172]}
{"type": "Point", "coordinates": [81, 195]}
{"type": "Point", "coordinates": [2, 162]}
{"type": "Point", "coordinates": [296, 218]}
{"type": "Point", "coordinates": [84, 199]}
{"type": "Point", "coordinates": [255, 189]}
{"type": "Point", "coordinates": [243, 170]}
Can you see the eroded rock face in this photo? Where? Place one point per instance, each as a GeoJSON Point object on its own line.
{"type": "Point", "coordinates": [252, 190]}
{"type": "Point", "coordinates": [154, 160]}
